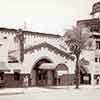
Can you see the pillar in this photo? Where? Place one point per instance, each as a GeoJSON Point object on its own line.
{"type": "Point", "coordinates": [33, 78]}
{"type": "Point", "coordinates": [92, 65]}
{"type": "Point", "coordinates": [50, 77]}
{"type": "Point", "coordinates": [92, 79]}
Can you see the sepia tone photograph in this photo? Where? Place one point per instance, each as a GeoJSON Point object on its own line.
{"type": "Point", "coordinates": [49, 49]}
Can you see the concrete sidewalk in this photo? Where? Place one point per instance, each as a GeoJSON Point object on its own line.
{"type": "Point", "coordinates": [14, 91]}
{"type": "Point", "coordinates": [11, 91]}
{"type": "Point", "coordinates": [73, 87]}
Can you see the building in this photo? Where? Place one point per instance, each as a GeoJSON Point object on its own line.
{"type": "Point", "coordinates": [39, 56]}
{"type": "Point", "coordinates": [92, 54]}
{"type": "Point", "coordinates": [45, 58]}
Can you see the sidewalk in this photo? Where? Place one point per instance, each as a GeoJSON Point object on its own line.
{"type": "Point", "coordinates": [73, 87]}
{"type": "Point", "coordinates": [14, 91]}
{"type": "Point", "coordinates": [11, 91]}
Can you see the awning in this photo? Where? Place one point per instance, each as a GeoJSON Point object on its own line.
{"type": "Point", "coordinates": [62, 72]}
{"type": "Point", "coordinates": [52, 66]}
{"type": "Point", "coordinates": [48, 66]}
{"type": "Point", "coordinates": [17, 70]}
{"type": "Point", "coordinates": [83, 61]}
{"type": "Point", "coordinates": [3, 67]}
{"type": "Point", "coordinates": [84, 70]}
{"type": "Point", "coordinates": [12, 59]}
{"type": "Point", "coordinates": [15, 67]}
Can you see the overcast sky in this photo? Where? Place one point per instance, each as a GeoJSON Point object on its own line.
{"type": "Point", "coordinates": [52, 16]}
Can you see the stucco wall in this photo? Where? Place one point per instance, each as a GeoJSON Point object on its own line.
{"type": "Point", "coordinates": [32, 58]}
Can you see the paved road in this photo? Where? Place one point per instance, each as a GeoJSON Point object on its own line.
{"type": "Point", "coordinates": [55, 94]}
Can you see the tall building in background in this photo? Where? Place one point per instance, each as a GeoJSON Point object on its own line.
{"type": "Point", "coordinates": [93, 54]}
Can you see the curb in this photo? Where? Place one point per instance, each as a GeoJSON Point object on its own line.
{"type": "Point", "coordinates": [11, 93]}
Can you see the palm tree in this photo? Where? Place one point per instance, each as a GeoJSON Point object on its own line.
{"type": "Point", "coordinates": [76, 39]}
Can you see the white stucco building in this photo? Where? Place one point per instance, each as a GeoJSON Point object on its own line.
{"type": "Point", "coordinates": [40, 56]}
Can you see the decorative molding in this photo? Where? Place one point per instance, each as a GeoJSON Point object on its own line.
{"type": "Point", "coordinates": [51, 48]}
{"type": "Point", "coordinates": [29, 33]}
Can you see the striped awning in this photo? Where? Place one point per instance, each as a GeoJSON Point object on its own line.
{"type": "Point", "coordinates": [3, 67]}
{"type": "Point", "coordinates": [83, 61]}
{"type": "Point", "coordinates": [84, 70]}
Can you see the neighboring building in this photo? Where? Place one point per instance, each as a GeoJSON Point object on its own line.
{"type": "Point", "coordinates": [92, 54]}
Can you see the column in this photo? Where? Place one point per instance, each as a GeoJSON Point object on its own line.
{"type": "Point", "coordinates": [33, 78]}
{"type": "Point", "coordinates": [50, 77]}
{"type": "Point", "coordinates": [92, 79]}
{"type": "Point", "coordinates": [92, 65]}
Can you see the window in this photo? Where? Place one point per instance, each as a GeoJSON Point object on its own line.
{"type": "Point", "coordinates": [96, 59]}
{"type": "Point", "coordinates": [16, 76]}
{"type": "Point", "coordinates": [97, 44]}
{"type": "Point", "coordinates": [5, 37]}
{"type": "Point", "coordinates": [94, 29]}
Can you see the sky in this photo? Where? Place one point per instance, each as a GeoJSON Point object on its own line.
{"type": "Point", "coordinates": [50, 16]}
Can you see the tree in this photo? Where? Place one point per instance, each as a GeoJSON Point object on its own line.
{"type": "Point", "coordinates": [77, 40]}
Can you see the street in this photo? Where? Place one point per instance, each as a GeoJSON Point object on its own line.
{"type": "Point", "coordinates": [67, 93]}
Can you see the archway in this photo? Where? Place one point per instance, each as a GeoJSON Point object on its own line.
{"type": "Point", "coordinates": [40, 74]}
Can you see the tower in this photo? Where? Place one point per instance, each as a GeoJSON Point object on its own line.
{"type": "Point", "coordinates": [20, 41]}
{"type": "Point", "coordinates": [96, 10]}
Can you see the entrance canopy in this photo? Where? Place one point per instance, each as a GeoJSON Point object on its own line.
{"type": "Point", "coordinates": [84, 65]}
{"type": "Point", "coordinates": [48, 66]}
{"type": "Point", "coordinates": [60, 68]}
{"type": "Point", "coordinates": [52, 66]}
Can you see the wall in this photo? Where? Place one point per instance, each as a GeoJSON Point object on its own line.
{"type": "Point", "coordinates": [10, 82]}
{"type": "Point", "coordinates": [32, 58]}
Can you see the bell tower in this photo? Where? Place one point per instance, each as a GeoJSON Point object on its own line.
{"type": "Point", "coordinates": [20, 42]}
{"type": "Point", "coordinates": [96, 10]}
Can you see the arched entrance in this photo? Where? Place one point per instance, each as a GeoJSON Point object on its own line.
{"type": "Point", "coordinates": [85, 76]}
{"type": "Point", "coordinates": [47, 73]}
{"type": "Point", "coordinates": [40, 74]}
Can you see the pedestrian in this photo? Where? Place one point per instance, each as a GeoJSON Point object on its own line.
{"type": "Point", "coordinates": [25, 81]}
{"type": "Point", "coordinates": [97, 80]}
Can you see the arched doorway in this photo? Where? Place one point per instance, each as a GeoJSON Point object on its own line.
{"type": "Point", "coordinates": [40, 74]}
{"type": "Point", "coordinates": [85, 76]}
